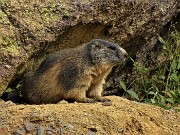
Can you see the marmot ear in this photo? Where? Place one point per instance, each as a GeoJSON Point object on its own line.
{"type": "Point", "coordinates": [97, 44]}
{"type": "Point", "coordinates": [94, 51]}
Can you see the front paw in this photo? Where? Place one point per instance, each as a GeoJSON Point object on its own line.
{"type": "Point", "coordinates": [103, 99]}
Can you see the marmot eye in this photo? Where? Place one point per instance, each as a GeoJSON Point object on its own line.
{"type": "Point", "coordinates": [112, 47]}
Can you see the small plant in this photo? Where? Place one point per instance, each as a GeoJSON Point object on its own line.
{"type": "Point", "coordinates": [15, 90]}
{"type": "Point", "coordinates": [132, 93]}
{"type": "Point", "coordinates": [163, 87]}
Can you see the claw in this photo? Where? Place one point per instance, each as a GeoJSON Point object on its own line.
{"type": "Point", "coordinates": [103, 100]}
{"type": "Point", "coordinates": [86, 100]}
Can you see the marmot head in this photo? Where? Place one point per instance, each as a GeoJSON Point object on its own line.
{"type": "Point", "coordinates": [105, 52]}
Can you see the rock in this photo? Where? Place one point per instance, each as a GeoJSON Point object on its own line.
{"type": "Point", "coordinates": [48, 118]}
{"type": "Point", "coordinates": [1, 102]}
{"type": "Point", "coordinates": [58, 122]}
{"type": "Point", "coordinates": [29, 126]}
{"type": "Point", "coordinates": [50, 129]}
{"type": "Point", "coordinates": [7, 66]}
{"type": "Point", "coordinates": [121, 130]}
{"type": "Point", "coordinates": [21, 131]}
{"type": "Point", "coordinates": [90, 133]}
{"type": "Point", "coordinates": [35, 116]}
{"type": "Point", "coordinates": [8, 103]}
{"type": "Point", "coordinates": [107, 103]}
{"type": "Point", "coordinates": [40, 130]}
{"type": "Point", "coordinates": [63, 102]}
{"type": "Point", "coordinates": [4, 130]}
{"type": "Point", "coordinates": [69, 126]}
{"type": "Point", "coordinates": [61, 131]}
{"type": "Point", "coordinates": [49, 132]}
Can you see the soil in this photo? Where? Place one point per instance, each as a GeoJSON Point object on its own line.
{"type": "Point", "coordinates": [120, 116]}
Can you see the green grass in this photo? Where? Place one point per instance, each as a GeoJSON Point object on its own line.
{"type": "Point", "coordinates": [161, 88]}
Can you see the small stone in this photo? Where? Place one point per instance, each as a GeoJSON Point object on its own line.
{"type": "Point", "coordinates": [63, 102]}
{"type": "Point", "coordinates": [90, 133]}
{"type": "Point", "coordinates": [107, 103]}
{"type": "Point", "coordinates": [1, 122]}
{"type": "Point", "coordinates": [7, 66]}
{"type": "Point", "coordinates": [8, 103]}
{"type": "Point", "coordinates": [40, 130]}
{"type": "Point", "coordinates": [49, 129]}
{"type": "Point", "coordinates": [21, 131]}
{"type": "Point", "coordinates": [48, 118]}
{"type": "Point", "coordinates": [61, 131]}
{"type": "Point", "coordinates": [49, 132]}
{"type": "Point", "coordinates": [3, 131]}
{"type": "Point", "coordinates": [29, 127]}
{"type": "Point", "coordinates": [121, 130]}
{"type": "Point", "coordinates": [35, 116]}
{"type": "Point", "coordinates": [58, 122]}
{"type": "Point", "coordinates": [69, 126]}
{"type": "Point", "coordinates": [171, 110]}
{"type": "Point", "coordinates": [2, 102]}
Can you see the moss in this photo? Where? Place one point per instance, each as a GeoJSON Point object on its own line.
{"type": "Point", "coordinates": [13, 49]}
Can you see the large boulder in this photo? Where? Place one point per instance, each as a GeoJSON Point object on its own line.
{"type": "Point", "coordinates": [29, 30]}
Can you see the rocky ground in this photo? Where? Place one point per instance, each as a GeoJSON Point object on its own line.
{"type": "Point", "coordinates": [119, 117]}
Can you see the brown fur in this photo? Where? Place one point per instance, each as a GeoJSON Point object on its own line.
{"type": "Point", "coordinates": [76, 73]}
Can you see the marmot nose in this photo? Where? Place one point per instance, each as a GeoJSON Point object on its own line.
{"type": "Point", "coordinates": [124, 52]}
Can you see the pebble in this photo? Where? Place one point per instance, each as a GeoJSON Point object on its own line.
{"type": "Point", "coordinates": [50, 129]}
{"type": "Point", "coordinates": [29, 126]}
{"type": "Point", "coordinates": [7, 66]}
{"type": "Point", "coordinates": [69, 126]}
{"type": "Point", "coordinates": [2, 101]}
{"type": "Point", "coordinates": [171, 110]}
{"type": "Point", "coordinates": [35, 116]}
{"type": "Point", "coordinates": [48, 118]}
{"type": "Point", "coordinates": [90, 133]}
{"type": "Point", "coordinates": [40, 130]}
{"type": "Point", "coordinates": [49, 132]}
{"type": "Point", "coordinates": [63, 102]}
{"type": "Point", "coordinates": [121, 130]}
{"type": "Point", "coordinates": [3, 131]}
{"type": "Point", "coordinates": [58, 122]}
{"type": "Point", "coordinates": [61, 131]}
{"type": "Point", "coordinates": [1, 122]}
{"type": "Point", "coordinates": [107, 103]}
{"type": "Point", "coordinates": [21, 131]}
{"type": "Point", "coordinates": [8, 103]}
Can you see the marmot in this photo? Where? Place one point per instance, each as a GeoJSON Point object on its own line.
{"type": "Point", "coordinates": [75, 73]}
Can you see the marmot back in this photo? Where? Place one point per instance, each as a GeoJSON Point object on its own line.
{"type": "Point", "coordinates": [76, 73]}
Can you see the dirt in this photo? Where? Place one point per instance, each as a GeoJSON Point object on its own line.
{"type": "Point", "coordinates": [121, 117]}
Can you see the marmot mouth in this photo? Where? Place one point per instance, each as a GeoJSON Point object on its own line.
{"type": "Point", "coordinates": [125, 54]}
{"type": "Point", "coordinates": [121, 54]}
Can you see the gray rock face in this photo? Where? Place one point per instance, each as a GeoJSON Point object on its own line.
{"type": "Point", "coordinates": [31, 29]}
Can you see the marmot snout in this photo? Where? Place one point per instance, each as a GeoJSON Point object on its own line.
{"type": "Point", "coordinates": [76, 73]}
